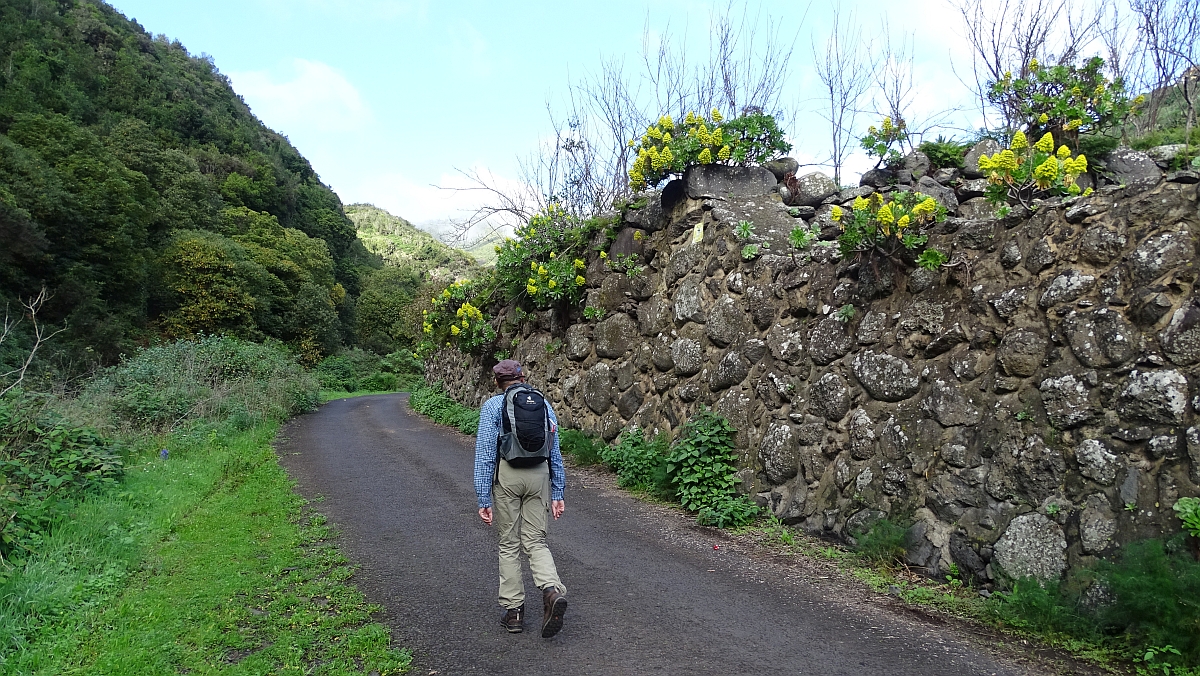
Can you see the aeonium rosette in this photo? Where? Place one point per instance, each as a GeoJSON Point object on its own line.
{"type": "Point", "coordinates": [891, 229]}
{"type": "Point", "coordinates": [544, 266]}
{"type": "Point", "coordinates": [1020, 173]}
{"type": "Point", "coordinates": [453, 320]}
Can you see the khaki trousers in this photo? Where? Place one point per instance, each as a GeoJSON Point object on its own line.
{"type": "Point", "coordinates": [522, 506]}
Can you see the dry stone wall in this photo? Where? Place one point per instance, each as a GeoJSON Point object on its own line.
{"type": "Point", "coordinates": [1027, 410]}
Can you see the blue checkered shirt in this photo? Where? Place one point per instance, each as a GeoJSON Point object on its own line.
{"type": "Point", "coordinates": [490, 428]}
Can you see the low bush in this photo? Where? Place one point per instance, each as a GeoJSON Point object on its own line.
{"type": "Point", "coordinates": [357, 370]}
{"type": "Point", "coordinates": [945, 153]}
{"type": "Point", "coordinates": [728, 512]}
{"type": "Point", "coordinates": [453, 318]}
{"type": "Point", "coordinates": [702, 468]}
{"type": "Point", "coordinates": [580, 448]}
{"type": "Point", "coordinates": [1155, 597]}
{"type": "Point", "coordinates": [640, 463]}
{"type": "Point", "coordinates": [432, 401]}
{"type": "Point", "coordinates": [1144, 600]}
{"type": "Point", "coordinates": [546, 265]}
{"type": "Point", "coordinates": [884, 542]}
{"type": "Point", "coordinates": [210, 379]}
{"type": "Point", "coordinates": [46, 463]}
{"type": "Point", "coordinates": [669, 148]}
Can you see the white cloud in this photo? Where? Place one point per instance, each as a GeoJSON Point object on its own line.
{"type": "Point", "coordinates": [314, 98]}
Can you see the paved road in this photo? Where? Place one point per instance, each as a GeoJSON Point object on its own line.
{"type": "Point", "coordinates": [648, 593]}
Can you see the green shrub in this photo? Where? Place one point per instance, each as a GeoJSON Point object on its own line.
{"type": "Point", "coordinates": [1147, 598]}
{"type": "Point", "coordinates": [884, 542]}
{"type": "Point", "coordinates": [1043, 607]}
{"type": "Point", "coordinates": [46, 462]}
{"type": "Point", "coordinates": [432, 401]}
{"type": "Point", "coordinates": [1065, 100]}
{"type": "Point", "coordinates": [702, 466]}
{"type": "Point", "coordinates": [1156, 597]}
{"type": "Point", "coordinates": [337, 373]}
{"type": "Point", "coordinates": [545, 266]}
{"type": "Point", "coordinates": [209, 379]}
{"type": "Point", "coordinates": [728, 512]}
{"type": "Point", "coordinates": [880, 232]}
{"type": "Point", "coordinates": [879, 142]}
{"type": "Point", "coordinates": [639, 462]}
{"type": "Point", "coordinates": [581, 448]}
{"type": "Point", "coordinates": [1023, 172]}
{"type": "Point", "coordinates": [380, 382]}
{"type": "Point", "coordinates": [668, 148]}
{"type": "Point", "coordinates": [1097, 145]}
{"type": "Point", "coordinates": [945, 153]}
{"type": "Point", "coordinates": [452, 319]}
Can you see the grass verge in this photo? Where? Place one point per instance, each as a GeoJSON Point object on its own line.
{"type": "Point", "coordinates": [202, 562]}
{"type": "Point", "coordinates": [432, 401]}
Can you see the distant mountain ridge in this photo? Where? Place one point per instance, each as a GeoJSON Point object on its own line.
{"type": "Point", "coordinates": [401, 244]}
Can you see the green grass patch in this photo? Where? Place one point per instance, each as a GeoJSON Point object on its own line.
{"type": "Point", "coordinates": [432, 401]}
{"type": "Point", "coordinates": [204, 562]}
{"type": "Point", "coordinates": [580, 448]}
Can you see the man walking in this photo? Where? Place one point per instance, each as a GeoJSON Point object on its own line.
{"type": "Point", "coordinates": [520, 470]}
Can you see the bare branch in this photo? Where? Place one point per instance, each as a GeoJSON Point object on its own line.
{"type": "Point", "coordinates": [41, 334]}
{"type": "Point", "coordinates": [845, 70]}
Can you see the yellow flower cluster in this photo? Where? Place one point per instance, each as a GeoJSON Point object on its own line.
{"type": "Point", "coordinates": [655, 157]}
{"type": "Point", "coordinates": [835, 214]}
{"type": "Point", "coordinates": [926, 207]}
{"type": "Point", "coordinates": [579, 280]}
{"type": "Point", "coordinates": [1045, 144]}
{"type": "Point", "coordinates": [885, 215]}
{"type": "Point", "coordinates": [1019, 142]}
{"type": "Point", "coordinates": [1073, 125]}
{"type": "Point", "coordinates": [468, 311]}
{"type": "Point", "coordinates": [579, 264]}
{"type": "Point", "coordinates": [1045, 173]}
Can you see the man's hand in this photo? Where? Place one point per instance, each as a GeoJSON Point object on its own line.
{"type": "Point", "coordinates": [485, 513]}
{"type": "Point", "coordinates": [557, 507]}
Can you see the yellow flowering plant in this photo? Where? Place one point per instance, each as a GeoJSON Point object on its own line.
{"type": "Point", "coordinates": [545, 265]}
{"type": "Point", "coordinates": [1024, 172]}
{"type": "Point", "coordinates": [892, 230]}
{"type": "Point", "coordinates": [879, 141]}
{"type": "Point", "coordinates": [669, 147]}
{"type": "Point", "coordinates": [453, 318]}
{"type": "Point", "coordinates": [1065, 100]}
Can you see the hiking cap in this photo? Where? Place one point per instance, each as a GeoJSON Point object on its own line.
{"type": "Point", "coordinates": [508, 369]}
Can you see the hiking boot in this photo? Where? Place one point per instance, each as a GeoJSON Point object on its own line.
{"type": "Point", "coordinates": [514, 620]}
{"type": "Point", "coordinates": [555, 607]}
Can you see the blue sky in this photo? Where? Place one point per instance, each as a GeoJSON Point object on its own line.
{"type": "Point", "coordinates": [387, 98]}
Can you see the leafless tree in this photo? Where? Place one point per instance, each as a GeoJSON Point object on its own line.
{"type": "Point", "coordinates": [585, 166]}
{"type": "Point", "coordinates": [1006, 35]}
{"type": "Point", "coordinates": [41, 334]}
{"type": "Point", "coordinates": [1170, 30]}
{"type": "Point", "coordinates": [845, 68]}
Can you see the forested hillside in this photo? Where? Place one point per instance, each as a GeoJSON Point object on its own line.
{"type": "Point", "coordinates": [139, 189]}
{"type": "Point", "coordinates": [400, 244]}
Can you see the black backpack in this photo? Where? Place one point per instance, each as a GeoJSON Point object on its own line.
{"type": "Point", "coordinates": [525, 437]}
